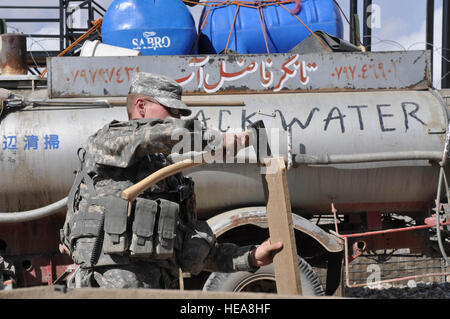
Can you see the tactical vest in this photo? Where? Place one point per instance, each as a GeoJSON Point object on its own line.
{"type": "Point", "coordinates": [106, 230]}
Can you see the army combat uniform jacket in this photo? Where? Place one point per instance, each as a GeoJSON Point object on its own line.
{"type": "Point", "coordinates": [142, 244]}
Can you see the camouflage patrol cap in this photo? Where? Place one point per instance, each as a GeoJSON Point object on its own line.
{"type": "Point", "coordinates": [164, 90]}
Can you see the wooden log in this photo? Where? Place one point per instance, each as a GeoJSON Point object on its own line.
{"type": "Point", "coordinates": [281, 227]}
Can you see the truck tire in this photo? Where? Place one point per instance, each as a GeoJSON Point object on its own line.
{"type": "Point", "coordinates": [263, 280]}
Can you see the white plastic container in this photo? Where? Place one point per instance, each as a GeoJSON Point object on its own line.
{"type": "Point", "coordinates": [97, 48]}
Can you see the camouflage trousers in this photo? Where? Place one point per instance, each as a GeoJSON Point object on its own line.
{"type": "Point", "coordinates": [135, 275]}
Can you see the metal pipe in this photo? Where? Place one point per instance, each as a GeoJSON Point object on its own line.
{"type": "Point", "coordinates": [99, 6]}
{"type": "Point", "coordinates": [445, 44]}
{"type": "Point", "coordinates": [353, 7]}
{"type": "Point", "coordinates": [361, 245]}
{"type": "Point", "coordinates": [30, 20]}
{"type": "Point", "coordinates": [367, 26]}
{"type": "Point", "coordinates": [430, 32]}
{"type": "Point", "coordinates": [13, 54]}
{"type": "Point", "coordinates": [347, 271]}
{"type": "Point", "coordinates": [438, 222]}
{"type": "Point", "coordinates": [62, 27]}
{"type": "Point", "coordinates": [395, 230]}
{"type": "Point", "coordinates": [290, 158]}
{"type": "Point", "coordinates": [366, 158]}
{"type": "Point", "coordinates": [333, 209]}
{"type": "Point", "coordinates": [3, 27]}
{"type": "Point", "coordinates": [26, 216]}
{"type": "Point", "coordinates": [29, 7]}
{"type": "Point", "coordinates": [438, 199]}
{"type": "Point", "coordinates": [90, 13]}
{"type": "Point", "coordinates": [37, 35]}
{"type": "Point", "coordinates": [353, 13]}
{"type": "Point", "coordinates": [443, 162]}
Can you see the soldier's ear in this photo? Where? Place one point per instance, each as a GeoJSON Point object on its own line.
{"type": "Point", "coordinates": [140, 107]}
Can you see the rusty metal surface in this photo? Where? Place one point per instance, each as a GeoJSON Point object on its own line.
{"type": "Point", "coordinates": [33, 250]}
{"type": "Point", "coordinates": [257, 216]}
{"type": "Point", "coordinates": [227, 74]}
{"type": "Point", "coordinates": [386, 239]}
{"type": "Point", "coordinates": [415, 241]}
{"type": "Point", "coordinates": [13, 54]}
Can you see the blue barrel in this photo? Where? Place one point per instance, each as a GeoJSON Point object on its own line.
{"type": "Point", "coordinates": [154, 27]}
{"type": "Point", "coordinates": [284, 30]}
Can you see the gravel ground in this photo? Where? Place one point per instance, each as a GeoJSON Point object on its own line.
{"type": "Point", "coordinates": [412, 291]}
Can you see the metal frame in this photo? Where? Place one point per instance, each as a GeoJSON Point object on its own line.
{"type": "Point", "coordinates": [437, 225]}
{"type": "Point", "coordinates": [92, 7]}
{"type": "Point", "coordinates": [445, 44]}
{"type": "Point", "coordinates": [354, 34]}
{"type": "Point", "coordinates": [348, 259]}
{"type": "Point", "coordinates": [367, 31]}
{"type": "Point", "coordinates": [430, 31]}
{"type": "Point", "coordinates": [66, 35]}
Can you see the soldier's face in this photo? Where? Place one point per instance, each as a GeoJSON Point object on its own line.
{"type": "Point", "coordinates": [149, 108]}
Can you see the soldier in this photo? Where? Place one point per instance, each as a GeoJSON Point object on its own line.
{"type": "Point", "coordinates": [143, 245]}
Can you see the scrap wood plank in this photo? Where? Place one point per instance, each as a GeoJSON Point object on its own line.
{"type": "Point", "coordinates": [281, 228]}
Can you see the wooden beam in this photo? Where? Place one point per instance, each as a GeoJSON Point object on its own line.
{"type": "Point", "coordinates": [281, 227]}
{"type": "Point", "coordinates": [49, 292]}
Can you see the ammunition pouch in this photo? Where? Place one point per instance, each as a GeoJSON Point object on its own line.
{"type": "Point", "coordinates": [167, 226]}
{"type": "Point", "coordinates": [116, 240]}
{"type": "Point", "coordinates": [107, 234]}
{"type": "Point", "coordinates": [143, 227]}
{"type": "Point", "coordinates": [154, 228]}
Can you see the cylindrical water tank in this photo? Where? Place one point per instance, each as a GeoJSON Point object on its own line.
{"type": "Point", "coordinates": [154, 27]}
{"type": "Point", "coordinates": [282, 28]}
{"type": "Point", "coordinates": [38, 150]}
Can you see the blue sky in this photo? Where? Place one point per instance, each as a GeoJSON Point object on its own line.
{"type": "Point", "coordinates": [401, 25]}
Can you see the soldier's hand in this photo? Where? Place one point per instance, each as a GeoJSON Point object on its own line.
{"type": "Point", "coordinates": [264, 253]}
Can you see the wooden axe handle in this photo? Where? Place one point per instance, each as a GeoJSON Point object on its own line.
{"type": "Point", "coordinates": [132, 192]}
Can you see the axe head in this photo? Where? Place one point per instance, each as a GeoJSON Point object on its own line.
{"type": "Point", "coordinates": [260, 140]}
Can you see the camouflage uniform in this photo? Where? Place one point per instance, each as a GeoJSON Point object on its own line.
{"type": "Point", "coordinates": [104, 238]}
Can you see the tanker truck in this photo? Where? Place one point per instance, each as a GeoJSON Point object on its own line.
{"type": "Point", "coordinates": [364, 137]}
